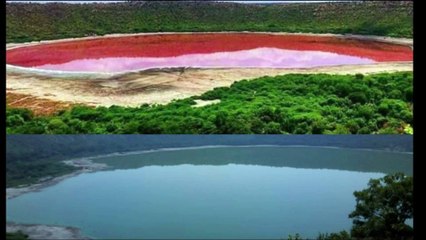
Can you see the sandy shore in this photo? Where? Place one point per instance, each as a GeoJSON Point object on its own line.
{"type": "Point", "coordinates": [155, 86]}
{"type": "Point", "coordinates": [45, 232]}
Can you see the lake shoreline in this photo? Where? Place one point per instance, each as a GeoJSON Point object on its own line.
{"type": "Point", "coordinates": [41, 231]}
{"type": "Point", "coordinates": [86, 165]}
{"type": "Point", "coordinates": [119, 88]}
{"type": "Point", "coordinates": [127, 153]}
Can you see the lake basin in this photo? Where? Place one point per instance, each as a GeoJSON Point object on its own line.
{"type": "Point", "coordinates": [212, 192]}
{"type": "Point", "coordinates": [233, 50]}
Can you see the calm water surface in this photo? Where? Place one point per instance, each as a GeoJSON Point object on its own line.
{"type": "Point", "coordinates": [224, 192]}
{"type": "Point", "coordinates": [259, 57]}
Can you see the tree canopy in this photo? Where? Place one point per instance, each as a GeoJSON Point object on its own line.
{"type": "Point", "coordinates": [383, 209]}
{"type": "Point", "coordinates": [287, 104]}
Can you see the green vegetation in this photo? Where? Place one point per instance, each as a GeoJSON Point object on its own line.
{"type": "Point", "coordinates": [318, 104]}
{"type": "Point", "coordinates": [383, 208]}
{"type": "Point", "coordinates": [31, 158]}
{"type": "Point", "coordinates": [294, 103]}
{"type": "Point", "coordinates": [23, 173]}
{"type": "Point", "coordinates": [16, 236]}
{"type": "Point", "coordinates": [343, 235]}
{"type": "Point", "coordinates": [33, 22]}
{"type": "Point", "coordinates": [381, 211]}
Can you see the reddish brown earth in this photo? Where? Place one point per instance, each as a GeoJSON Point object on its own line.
{"type": "Point", "coordinates": [179, 44]}
{"type": "Point", "coordinates": [39, 106]}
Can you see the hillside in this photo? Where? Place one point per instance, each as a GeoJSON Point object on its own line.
{"type": "Point", "coordinates": [293, 103]}
{"type": "Point", "coordinates": [30, 22]}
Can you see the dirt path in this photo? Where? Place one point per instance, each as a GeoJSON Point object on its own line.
{"type": "Point", "coordinates": [46, 93]}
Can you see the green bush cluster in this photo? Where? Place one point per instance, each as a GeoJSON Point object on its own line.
{"type": "Point", "coordinates": [16, 236]}
{"type": "Point", "coordinates": [23, 172]}
{"type": "Point", "coordinates": [288, 104]}
{"type": "Point", "coordinates": [34, 22]}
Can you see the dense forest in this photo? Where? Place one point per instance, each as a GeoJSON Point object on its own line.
{"type": "Point", "coordinates": [33, 22]}
{"type": "Point", "coordinates": [288, 104]}
{"type": "Point", "coordinates": [31, 157]}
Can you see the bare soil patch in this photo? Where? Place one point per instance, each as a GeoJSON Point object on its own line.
{"type": "Point", "coordinates": [39, 106]}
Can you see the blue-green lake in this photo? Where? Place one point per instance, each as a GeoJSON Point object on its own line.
{"type": "Point", "coordinates": [217, 192]}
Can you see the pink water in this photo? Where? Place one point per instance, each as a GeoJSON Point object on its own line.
{"type": "Point", "coordinates": [253, 58]}
{"type": "Point", "coordinates": [131, 53]}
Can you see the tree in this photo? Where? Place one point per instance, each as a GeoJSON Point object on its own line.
{"type": "Point", "coordinates": [273, 128]}
{"type": "Point", "coordinates": [357, 97]}
{"type": "Point", "coordinates": [381, 211]}
{"type": "Point", "coordinates": [383, 208]}
{"type": "Point", "coordinates": [57, 126]}
{"type": "Point", "coordinates": [409, 94]}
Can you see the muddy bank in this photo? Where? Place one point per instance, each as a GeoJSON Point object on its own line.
{"type": "Point", "coordinates": [45, 232]}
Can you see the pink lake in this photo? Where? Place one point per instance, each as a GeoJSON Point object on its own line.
{"type": "Point", "coordinates": [209, 50]}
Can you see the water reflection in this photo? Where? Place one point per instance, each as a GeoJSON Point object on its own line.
{"type": "Point", "coordinates": [197, 197]}
{"type": "Point", "coordinates": [274, 156]}
{"type": "Point", "coordinates": [252, 58]}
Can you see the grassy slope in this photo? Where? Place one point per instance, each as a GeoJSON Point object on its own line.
{"type": "Point", "coordinates": [294, 103]}
{"type": "Point", "coordinates": [28, 22]}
